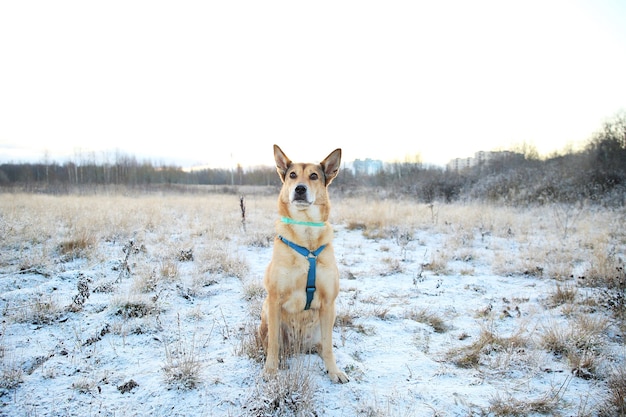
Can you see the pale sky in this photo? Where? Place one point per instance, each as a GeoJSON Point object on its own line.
{"type": "Point", "coordinates": [219, 82]}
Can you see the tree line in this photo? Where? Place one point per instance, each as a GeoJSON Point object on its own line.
{"type": "Point", "coordinates": [596, 173]}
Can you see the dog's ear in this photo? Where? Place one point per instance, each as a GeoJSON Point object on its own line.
{"type": "Point", "coordinates": [331, 164]}
{"type": "Point", "coordinates": [282, 162]}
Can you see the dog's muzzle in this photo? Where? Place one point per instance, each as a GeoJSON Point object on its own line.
{"type": "Point", "coordinates": [301, 195]}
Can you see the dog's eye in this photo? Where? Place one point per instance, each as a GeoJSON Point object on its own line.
{"type": "Point", "coordinates": [313, 176]}
{"type": "Point", "coordinates": [293, 175]}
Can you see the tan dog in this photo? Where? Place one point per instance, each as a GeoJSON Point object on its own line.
{"type": "Point", "coordinates": [295, 314]}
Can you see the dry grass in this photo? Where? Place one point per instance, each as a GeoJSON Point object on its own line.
{"type": "Point", "coordinates": [552, 242]}
{"type": "Point", "coordinates": [41, 309]}
{"type": "Point", "coordinates": [510, 406]}
{"type": "Point", "coordinates": [563, 294]}
{"type": "Point", "coordinates": [222, 259]}
{"type": "Point", "coordinates": [11, 373]}
{"type": "Point", "coordinates": [582, 335]}
{"type": "Point", "coordinates": [133, 305]}
{"type": "Point", "coordinates": [75, 221]}
{"type": "Point", "coordinates": [604, 264]}
{"type": "Point", "coordinates": [435, 321]}
{"type": "Point", "coordinates": [181, 249]}
{"type": "Point", "coordinates": [615, 404]}
{"type": "Point", "coordinates": [290, 393]}
{"type": "Point", "coordinates": [438, 263]}
{"type": "Point", "coordinates": [183, 364]}
{"type": "Point", "coordinates": [581, 343]}
{"type": "Point", "coordinates": [77, 245]}
{"type": "Point", "coordinates": [250, 344]}
{"type": "Point", "coordinates": [488, 343]}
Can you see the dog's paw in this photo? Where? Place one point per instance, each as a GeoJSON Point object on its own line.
{"type": "Point", "coordinates": [338, 377]}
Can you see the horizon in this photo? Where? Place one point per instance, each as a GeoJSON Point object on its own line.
{"type": "Point", "coordinates": [107, 156]}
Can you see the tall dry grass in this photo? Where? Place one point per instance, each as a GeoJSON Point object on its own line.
{"type": "Point", "coordinates": [547, 241]}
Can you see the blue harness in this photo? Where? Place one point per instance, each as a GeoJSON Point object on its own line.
{"type": "Point", "coordinates": [311, 256]}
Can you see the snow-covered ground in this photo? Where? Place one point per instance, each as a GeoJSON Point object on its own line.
{"type": "Point", "coordinates": [111, 334]}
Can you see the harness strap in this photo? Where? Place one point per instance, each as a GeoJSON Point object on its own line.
{"type": "Point", "coordinates": [311, 256]}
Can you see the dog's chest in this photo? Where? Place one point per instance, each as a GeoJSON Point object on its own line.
{"type": "Point", "coordinates": [293, 277]}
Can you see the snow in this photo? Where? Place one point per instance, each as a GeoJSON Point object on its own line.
{"type": "Point", "coordinates": [76, 362]}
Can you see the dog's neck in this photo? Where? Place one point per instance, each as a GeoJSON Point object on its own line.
{"type": "Point", "coordinates": [305, 229]}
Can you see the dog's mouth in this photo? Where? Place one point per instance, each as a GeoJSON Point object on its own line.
{"type": "Point", "coordinates": [301, 203]}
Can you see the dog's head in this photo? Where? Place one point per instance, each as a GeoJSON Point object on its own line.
{"type": "Point", "coordinates": [304, 184]}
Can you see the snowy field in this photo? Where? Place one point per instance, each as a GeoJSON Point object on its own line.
{"type": "Point", "coordinates": [148, 306]}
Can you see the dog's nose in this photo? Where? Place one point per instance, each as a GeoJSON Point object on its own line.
{"type": "Point", "coordinates": [300, 189]}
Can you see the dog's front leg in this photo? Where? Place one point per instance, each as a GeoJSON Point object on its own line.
{"type": "Point", "coordinates": [327, 321]}
{"type": "Point", "coordinates": [273, 336]}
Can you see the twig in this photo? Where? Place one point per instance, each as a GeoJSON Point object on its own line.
{"type": "Point", "coordinates": [125, 268]}
{"type": "Point", "coordinates": [242, 206]}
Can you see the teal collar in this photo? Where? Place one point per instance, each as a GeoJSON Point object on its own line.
{"type": "Point", "coordinates": [288, 220]}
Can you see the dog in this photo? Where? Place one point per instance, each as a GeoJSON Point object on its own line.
{"type": "Point", "coordinates": [302, 278]}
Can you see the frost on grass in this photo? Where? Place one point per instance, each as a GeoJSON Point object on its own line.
{"type": "Point", "coordinates": [290, 393]}
{"type": "Point", "coordinates": [41, 309]}
{"type": "Point", "coordinates": [183, 365]}
{"type": "Point", "coordinates": [152, 304]}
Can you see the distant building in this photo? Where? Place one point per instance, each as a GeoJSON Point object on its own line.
{"type": "Point", "coordinates": [367, 166]}
{"type": "Point", "coordinates": [480, 158]}
{"type": "Point", "coordinates": [459, 164]}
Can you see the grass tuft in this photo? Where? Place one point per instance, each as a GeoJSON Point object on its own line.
{"type": "Point", "coordinates": [220, 259]}
{"type": "Point", "coordinates": [563, 294]}
{"type": "Point", "coordinates": [433, 320]}
{"type": "Point", "coordinates": [488, 342]}
{"type": "Point", "coordinates": [77, 246]}
{"type": "Point", "coordinates": [11, 374]}
{"type": "Point", "coordinates": [41, 310]}
{"type": "Point", "coordinates": [509, 406]}
{"type": "Point", "coordinates": [288, 393]}
{"type": "Point", "coordinates": [182, 364]}
{"type": "Point", "coordinates": [615, 404]}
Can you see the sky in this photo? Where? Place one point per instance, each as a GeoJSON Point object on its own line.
{"type": "Point", "coordinates": [217, 83]}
